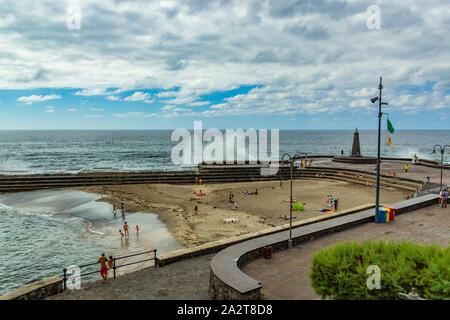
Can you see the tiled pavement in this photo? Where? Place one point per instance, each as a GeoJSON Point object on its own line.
{"type": "Point", "coordinates": [286, 275]}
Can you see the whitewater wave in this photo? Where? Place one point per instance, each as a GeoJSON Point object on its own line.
{"type": "Point", "coordinates": [91, 230]}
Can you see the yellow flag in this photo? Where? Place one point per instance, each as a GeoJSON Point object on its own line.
{"type": "Point", "coordinates": [389, 141]}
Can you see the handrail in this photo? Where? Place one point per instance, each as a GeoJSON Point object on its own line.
{"type": "Point", "coordinates": [114, 265]}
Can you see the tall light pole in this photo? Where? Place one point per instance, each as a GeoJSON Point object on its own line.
{"type": "Point", "coordinates": [380, 114]}
{"type": "Point", "coordinates": [442, 150]}
{"type": "Point", "coordinates": [291, 160]}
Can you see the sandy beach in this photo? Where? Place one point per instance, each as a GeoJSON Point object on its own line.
{"type": "Point", "coordinates": [174, 204]}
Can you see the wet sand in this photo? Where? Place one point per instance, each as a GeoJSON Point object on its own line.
{"type": "Point", "coordinates": [174, 204]}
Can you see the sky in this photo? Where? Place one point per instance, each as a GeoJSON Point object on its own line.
{"type": "Point", "coordinates": [275, 64]}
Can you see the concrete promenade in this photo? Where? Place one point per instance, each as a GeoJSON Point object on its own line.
{"type": "Point", "coordinates": [286, 275]}
{"type": "Point", "coordinates": [184, 280]}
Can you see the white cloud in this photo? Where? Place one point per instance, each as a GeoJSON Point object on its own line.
{"type": "Point", "coordinates": [38, 98]}
{"type": "Point", "coordinates": [91, 92]}
{"type": "Point", "coordinates": [93, 116]}
{"type": "Point", "coordinates": [138, 96]}
{"type": "Point", "coordinates": [96, 109]}
{"type": "Point", "coordinates": [309, 56]}
{"type": "Point", "coordinates": [71, 109]}
{"type": "Point", "coordinates": [49, 109]}
{"type": "Point", "coordinates": [134, 115]}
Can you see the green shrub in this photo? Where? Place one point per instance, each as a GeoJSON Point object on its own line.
{"type": "Point", "coordinates": [340, 272]}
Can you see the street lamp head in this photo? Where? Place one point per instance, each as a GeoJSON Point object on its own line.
{"type": "Point", "coordinates": [434, 151]}
{"type": "Point", "coordinates": [374, 99]}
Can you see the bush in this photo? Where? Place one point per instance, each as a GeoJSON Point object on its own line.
{"type": "Point", "coordinates": [340, 272]}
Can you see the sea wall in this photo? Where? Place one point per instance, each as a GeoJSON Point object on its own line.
{"type": "Point", "coordinates": [37, 290]}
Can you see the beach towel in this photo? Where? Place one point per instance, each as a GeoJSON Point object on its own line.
{"type": "Point", "coordinates": [325, 210]}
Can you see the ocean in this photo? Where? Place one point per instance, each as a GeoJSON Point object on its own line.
{"type": "Point", "coordinates": [44, 231]}
{"type": "Point", "coordinates": [30, 152]}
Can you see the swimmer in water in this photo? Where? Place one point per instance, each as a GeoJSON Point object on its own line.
{"type": "Point", "coordinates": [125, 228]}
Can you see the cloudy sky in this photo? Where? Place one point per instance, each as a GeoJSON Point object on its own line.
{"type": "Point", "coordinates": [287, 64]}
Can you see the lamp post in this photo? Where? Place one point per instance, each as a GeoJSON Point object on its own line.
{"type": "Point", "coordinates": [380, 114]}
{"type": "Point", "coordinates": [291, 160]}
{"type": "Point", "coordinates": [442, 150]}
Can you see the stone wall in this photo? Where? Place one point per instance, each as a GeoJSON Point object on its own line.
{"type": "Point", "coordinates": [37, 290]}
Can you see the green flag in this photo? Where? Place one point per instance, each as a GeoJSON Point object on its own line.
{"type": "Point", "coordinates": [390, 127]}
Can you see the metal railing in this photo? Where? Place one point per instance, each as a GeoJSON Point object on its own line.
{"type": "Point", "coordinates": [114, 267]}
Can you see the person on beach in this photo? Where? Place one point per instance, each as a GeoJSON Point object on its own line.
{"type": "Point", "coordinates": [196, 211]}
{"type": "Point", "coordinates": [114, 209]}
{"type": "Point", "coordinates": [137, 229]}
{"type": "Point", "coordinates": [328, 199]}
{"type": "Point", "coordinates": [256, 191]}
{"type": "Point", "coordinates": [121, 234]}
{"type": "Point", "coordinates": [230, 197]}
{"type": "Point", "coordinates": [200, 181]}
{"type": "Point", "coordinates": [444, 199]}
{"type": "Point", "coordinates": [336, 204]}
{"type": "Point", "coordinates": [103, 269]}
{"type": "Point", "coordinates": [441, 197]}
{"type": "Point", "coordinates": [281, 184]}
{"type": "Point", "coordinates": [406, 168]}
{"type": "Point", "coordinates": [125, 228]}
{"type": "Point", "coordinates": [196, 180]}
{"type": "Point", "coordinates": [342, 152]}
{"type": "Point", "coordinates": [331, 200]}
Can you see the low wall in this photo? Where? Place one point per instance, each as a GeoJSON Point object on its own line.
{"type": "Point", "coordinates": [37, 290]}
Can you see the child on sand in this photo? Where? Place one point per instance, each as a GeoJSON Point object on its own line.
{"type": "Point", "coordinates": [121, 234]}
{"type": "Point", "coordinates": [196, 211]}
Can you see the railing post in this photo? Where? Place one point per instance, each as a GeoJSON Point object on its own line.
{"type": "Point", "coordinates": [114, 267]}
{"type": "Point", "coordinates": [64, 278]}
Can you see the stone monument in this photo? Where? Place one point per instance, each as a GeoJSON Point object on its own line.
{"type": "Point", "coordinates": [356, 156]}
{"type": "Point", "coordinates": [356, 149]}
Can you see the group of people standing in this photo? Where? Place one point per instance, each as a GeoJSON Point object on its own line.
{"type": "Point", "coordinates": [121, 207]}
{"type": "Point", "coordinates": [332, 202]}
{"type": "Point", "coordinates": [105, 265]}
